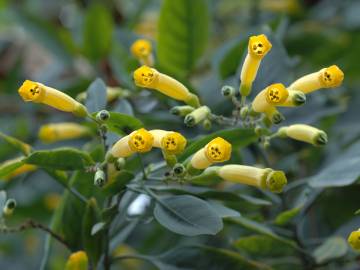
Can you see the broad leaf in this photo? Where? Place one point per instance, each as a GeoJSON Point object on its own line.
{"type": "Point", "coordinates": [333, 248]}
{"type": "Point", "coordinates": [60, 159]}
{"type": "Point", "coordinates": [183, 31]}
{"type": "Point", "coordinates": [239, 137]}
{"type": "Point", "coordinates": [118, 184]}
{"type": "Point", "coordinates": [23, 147]}
{"type": "Point", "coordinates": [223, 211]}
{"type": "Point", "coordinates": [96, 96]}
{"type": "Point", "coordinates": [123, 123]}
{"type": "Point", "coordinates": [187, 215]}
{"type": "Point", "coordinates": [285, 217]}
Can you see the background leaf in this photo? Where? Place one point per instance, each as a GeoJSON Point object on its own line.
{"type": "Point", "coordinates": [333, 248]}
{"type": "Point", "coordinates": [122, 123]}
{"type": "Point", "coordinates": [96, 96]}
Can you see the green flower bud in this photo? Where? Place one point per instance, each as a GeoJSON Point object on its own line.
{"type": "Point", "coordinates": [119, 164]}
{"type": "Point", "coordinates": [228, 91]}
{"type": "Point", "coordinates": [198, 115]}
{"type": "Point", "coordinates": [100, 178]}
{"type": "Point", "coordinates": [275, 181]}
{"type": "Point", "coordinates": [9, 207]}
{"type": "Point", "coordinates": [244, 112]}
{"type": "Point", "coordinates": [103, 115]}
{"type": "Point", "coordinates": [207, 124]}
{"type": "Point", "coordinates": [179, 169]}
{"type": "Point", "coordinates": [181, 110]}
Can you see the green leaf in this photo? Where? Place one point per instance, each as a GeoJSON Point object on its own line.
{"type": "Point", "coordinates": [239, 137]}
{"type": "Point", "coordinates": [343, 171]}
{"type": "Point", "coordinates": [183, 32]}
{"type": "Point", "coordinates": [98, 227]}
{"type": "Point", "coordinates": [23, 147]}
{"type": "Point", "coordinates": [96, 96]}
{"type": "Point", "coordinates": [333, 248]}
{"type": "Point", "coordinates": [357, 212]}
{"type": "Point", "coordinates": [10, 166]}
{"type": "Point", "coordinates": [60, 176]}
{"type": "Point", "coordinates": [261, 245]}
{"type": "Point", "coordinates": [92, 243]}
{"type": "Point", "coordinates": [209, 258]}
{"type": "Point", "coordinates": [60, 159]}
{"type": "Point", "coordinates": [2, 201]}
{"type": "Point", "coordinates": [222, 210]}
{"type": "Point", "coordinates": [118, 184]}
{"type": "Point", "coordinates": [261, 229]}
{"type": "Point", "coordinates": [122, 123]}
{"type": "Point", "coordinates": [187, 215]}
{"type": "Point", "coordinates": [284, 217]}
{"type": "Point", "coordinates": [98, 31]}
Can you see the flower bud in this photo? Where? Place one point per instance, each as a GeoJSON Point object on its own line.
{"type": "Point", "coordinates": [51, 133]}
{"type": "Point", "coordinates": [262, 178]}
{"type": "Point", "coordinates": [325, 78]}
{"type": "Point", "coordinates": [197, 116]}
{"type": "Point", "coordinates": [181, 110]}
{"type": "Point", "coordinates": [152, 79]}
{"type": "Point", "coordinates": [140, 141]}
{"type": "Point", "coordinates": [119, 164]}
{"type": "Point", "coordinates": [354, 240]}
{"type": "Point", "coordinates": [258, 47]}
{"type": "Point", "coordinates": [77, 261]}
{"type": "Point", "coordinates": [103, 115]}
{"type": "Point", "coordinates": [142, 50]}
{"type": "Point", "coordinates": [170, 142]}
{"type": "Point", "coordinates": [304, 133]}
{"type": "Point", "coordinates": [9, 207]}
{"type": "Point", "coordinates": [244, 112]}
{"type": "Point", "coordinates": [99, 178]}
{"type": "Point", "coordinates": [228, 91]}
{"type": "Point", "coordinates": [39, 93]}
{"type": "Point", "coordinates": [207, 124]}
{"type": "Point", "coordinates": [179, 169]}
{"type": "Point", "coordinates": [216, 151]}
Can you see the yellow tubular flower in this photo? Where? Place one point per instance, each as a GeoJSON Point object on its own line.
{"type": "Point", "coordinates": [170, 142]}
{"type": "Point", "coordinates": [295, 98]}
{"type": "Point", "coordinates": [39, 93]}
{"type": "Point", "coordinates": [263, 178]}
{"type": "Point", "coordinates": [325, 78]}
{"type": "Point", "coordinates": [304, 133]}
{"type": "Point", "coordinates": [151, 78]}
{"type": "Point", "coordinates": [140, 141]}
{"type": "Point", "coordinates": [258, 47]}
{"type": "Point", "coordinates": [77, 261]}
{"type": "Point", "coordinates": [354, 240]}
{"type": "Point", "coordinates": [142, 50]}
{"type": "Point", "coordinates": [216, 151]}
{"type": "Point", "coordinates": [62, 131]}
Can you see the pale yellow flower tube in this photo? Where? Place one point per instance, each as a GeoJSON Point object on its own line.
{"type": "Point", "coordinates": [216, 151]}
{"type": "Point", "coordinates": [354, 240]}
{"type": "Point", "coordinates": [151, 78]}
{"type": "Point", "coordinates": [262, 178]}
{"type": "Point", "coordinates": [142, 50]}
{"type": "Point", "coordinates": [325, 78]}
{"type": "Point", "coordinates": [258, 47]}
{"type": "Point", "coordinates": [140, 141]}
{"type": "Point", "coordinates": [77, 261]}
{"type": "Point", "coordinates": [51, 133]}
{"type": "Point", "coordinates": [170, 142]}
{"type": "Point", "coordinates": [40, 93]}
{"type": "Point", "coordinates": [304, 133]}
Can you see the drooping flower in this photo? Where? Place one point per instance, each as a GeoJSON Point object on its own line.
{"type": "Point", "coordinates": [304, 133]}
{"type": "Point", "coordinates": [170, 142]}
{"type": "Point", "coordinates": [40, 93]}
{"type": "Point", "coordinates": [142, 50]}
{"type": "Point", "coordinates": [77, 261]}
{"type": "Point", "coordinates": [216, 151]}
{"type": "Point", "coordinates": [140, 141]}
{"type": "Point", "coordinates": [258, 47]}
{"type": "Point", "coordinates": [51, 133]}
{"type": "Point", "coordinates": [151, 78]}
{"type": "Point", "coordinates": [262, 178]}
{"type": "Point", "coordinates": [325, 78]}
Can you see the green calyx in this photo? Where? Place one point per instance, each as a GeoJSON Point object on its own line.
{"type": "Point", "coordinates": [299, 99]}
{"type": "Point", "coordinates": [275, 181]}
{"type": "Point", "coordinates": [320, 139]}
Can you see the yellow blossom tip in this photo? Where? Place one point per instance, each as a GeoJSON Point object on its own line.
{"type": "Point", "coordinates": [276, 93]}
{"type": "Point", "coordinates": [144, 76]}
{"type": "Point", "coordinates": [218, 150]}
{"type": "Point", "coordinates": [173, 143]}
{"type": "Point", "coordinates": [141, 48]}
{"type": "Point", "coordinates": [275, 181]}
{"type": "Point", "coordinates": [30, 91]}
{"type": "Point", "coordinates": [332, 76]}
{"type": "Point", "coordinates": [141, 141]}
{"type": "Point", "coordinates": [259, 45]}
{"type": "Point", "coordinates": [77, 261]}
{"type": "Point", "coordinates": [354, 240]}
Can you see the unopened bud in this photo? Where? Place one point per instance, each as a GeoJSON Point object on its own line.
{"type": "Point", "coordinates": [100, 178]}
{"type": "Point", "coordinates": [103, 115]}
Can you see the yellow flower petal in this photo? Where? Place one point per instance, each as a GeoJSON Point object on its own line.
{"type": "Point", "coordinates": [141, 141]}
{"type": "Point", "coordinates": [354, 240]}
{"type": "Point", "coordinates": [276, 94]}
{"type": "Point", "coordinates": [259, 46]}
{"type": "Point", "coordinates": [142, 50]}
{"type": "Point", "coordinates": [39, 93]}
{"type": "Point", "coordinates": [77, 261]}
{"type": "Point", "coordinates": [61, 131]}
{"type": "Point", "coordinates": [170, 142]}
